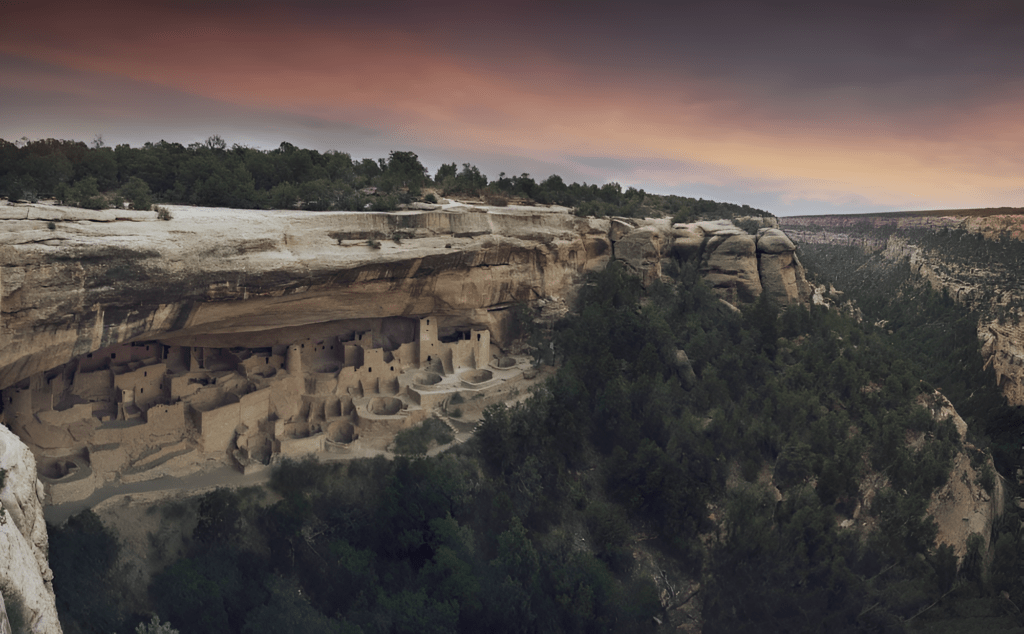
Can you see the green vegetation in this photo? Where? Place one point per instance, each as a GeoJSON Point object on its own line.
{"type": "Point", "coordinates": [417, 440]}
{"type": "Point", "coordinates": [931, 331]}
{"type": "Point", "coordinates": [535, 524]}
{"type": "Point", "coordinates": [214, 175]}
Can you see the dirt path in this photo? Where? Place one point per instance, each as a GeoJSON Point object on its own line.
{"type": "Point", "coordinates": [219, 477]}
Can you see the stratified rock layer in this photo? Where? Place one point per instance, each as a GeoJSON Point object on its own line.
{"type": "Point", "coordinates": [101, 278]}
{"type": "Point", "coordinates": [962, 266]}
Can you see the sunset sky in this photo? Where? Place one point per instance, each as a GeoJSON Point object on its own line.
{"type": "Point", "coordinates": [793, 107]}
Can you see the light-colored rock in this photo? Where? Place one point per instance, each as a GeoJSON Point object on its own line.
{"type": "Point", "coordinates": [641, 251]}
{"type": "Point", "coordinates": [620, 228]}
{"type": "Point", "coordinates": [688, 240]}
{"type": "Point", "coordinates": [719, 228]}
{"type": "Point", "coordinates": [1002, 348]}
{"type": "Point", "coordinates": [730, 266]}
{"type": "Point", "coordinates": [24, 569]}
{"type": "Point", "coordinates": [684, 369]}
{"type": "Point", "coordinates": [5, 625]}
{"type": "Point", "coordinates": [774, 241]}
{"type": "Point", "coordinates": [88, 285]}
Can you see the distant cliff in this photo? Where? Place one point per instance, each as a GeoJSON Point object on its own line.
{"type": "Point", "coordinates": [975, 257]}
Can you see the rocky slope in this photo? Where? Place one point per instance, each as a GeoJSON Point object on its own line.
{"type": "Point", "coordinates": [24, 571]}
{"type": "Point", "coordinates": [975, 257]}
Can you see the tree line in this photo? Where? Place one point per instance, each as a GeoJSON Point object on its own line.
{"type": "Point", "coordinates": [212, 174]}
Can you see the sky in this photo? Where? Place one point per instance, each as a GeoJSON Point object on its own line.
{"type": "Point", "coordinates": [794, 107]}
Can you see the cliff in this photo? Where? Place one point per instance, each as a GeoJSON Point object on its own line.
{"type": "Point", "coordinates": [974, 257]}
{"type": "Point", "coordinates": [24, 571]}
{"type": "Point", "coordinates": [246, 277]}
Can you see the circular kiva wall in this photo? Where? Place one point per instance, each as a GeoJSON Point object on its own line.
{"type": "Point", "coordinates": [384, 406]}
{"type": "Point", "coordinates": [505, 362]}
{"type": "Point", "coordinates": [476, 376]}
{"type": "Point", "coordinates": [341, 431]}
{"type": "Point", "coordinates": [427, 378]}
{"type": "Point", "coordinates": [54, 469]}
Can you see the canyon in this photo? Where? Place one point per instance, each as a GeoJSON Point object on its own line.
{"type": "Point", "coordinates": [133, 349]}
{"type": "Point", "coordinates": [974, 256]}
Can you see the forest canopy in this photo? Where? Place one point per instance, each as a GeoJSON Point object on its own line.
{"type": "Point", "coordinates": [212, 174]}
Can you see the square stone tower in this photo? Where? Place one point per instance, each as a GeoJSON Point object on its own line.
{"type": "Point", "coordinates": [430, 348]}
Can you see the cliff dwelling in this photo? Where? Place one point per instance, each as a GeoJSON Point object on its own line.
{"type": "Point", "coordinates": [143, 410]}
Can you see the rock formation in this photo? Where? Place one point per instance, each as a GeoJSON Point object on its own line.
{"type": "Point", "coordinates": [134, 348]}
{"type": "Point", "coordinates": [24, 571]}
{"type": "Point", "coordinates": [962, 506]}
{"type": "Point", "coordinates": [969, 256]}
{"type": "Point", "coordinates": [102, 278]}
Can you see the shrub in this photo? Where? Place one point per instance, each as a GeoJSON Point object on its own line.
{"type": "Point", "coordinates": [155, 627]}
{"type": "Point", "coordinates": [137, 192]}
{"type": "Point", "coordinates": [162, 213]}
{"type": "Point", "coordinates": [495, 198]}
{"type": "Point", "coordinates": [51, 225]}
{"type": "Point", "coordinates": [430, 198]}
{"type": "Point", "coordinates": [373, 244]}
{"type": "Point", "coordinates": [417, 440]}
{"type": "Point", "coordinates": [86, 194]}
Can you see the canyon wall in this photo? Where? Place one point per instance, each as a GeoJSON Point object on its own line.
{"type": "Point", "coordinates": [253, 278]}
{"type": "Point", "coordinates": [976, 258]}
{"type": "Point", "coordinates": [24, 571]}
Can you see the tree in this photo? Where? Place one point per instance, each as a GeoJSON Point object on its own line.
{"type": "Point", "coordinates": [136, 191]}
{"type": "Point", "coordinates": [406, 170]}
{"type": "Point", "coordinates": [155, 627]}
{"type": "Point", "coordinates": [86, 194]}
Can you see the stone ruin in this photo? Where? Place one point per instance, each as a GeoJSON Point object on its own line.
{"type": "Point", "coordinates": [142, 410]}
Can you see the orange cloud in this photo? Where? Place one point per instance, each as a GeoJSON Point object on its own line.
{"type": "Point", "coordinates": [409, 83]}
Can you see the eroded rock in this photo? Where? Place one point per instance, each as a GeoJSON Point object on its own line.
{"type": "Point", "coordinates": [24, 570]}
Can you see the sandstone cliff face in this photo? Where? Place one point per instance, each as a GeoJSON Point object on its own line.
{"type": "Point", "coordinates": [962, 506]}
{"type": "Point", "coordinates": [24, 571]}
{"type": "Point", "coordinates": [975, 271]}
{"type": "Point", "coordinates": [87, 284]}
{"type": "Point", "coordinates": [100, 278]}
{"type": "Point", "coordinates": [1002, 347]}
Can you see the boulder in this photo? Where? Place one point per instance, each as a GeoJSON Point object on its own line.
{"type": "Point", "coordinates": [684, 369]}
{"type": "Point", "coordinates": [640, 250]}
{"type": "Point", "coordinates": [782, 278]}
{"type": "Point", "coordinates": [619, 229]}
{"type": "Point", "coordinates": [730, 266]}
{"type": "Point", "coordinates": [687, 242]}
{"type": "Point", "coordinates": [774, 241]}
